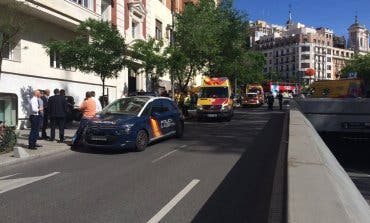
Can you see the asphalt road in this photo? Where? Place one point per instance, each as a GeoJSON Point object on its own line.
{"type": "Point", "coordinates": [219, 172]}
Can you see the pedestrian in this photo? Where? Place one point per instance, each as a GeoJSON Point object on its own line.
{"type": "Point", "coordinates": [41, 112]}
{"type": "Point", "coordinates": [280, 98]}
{"type": "Point", "coordinates": [270, 101]}
{"type": "Point", "coordinates": [97, 102]}
{"type": "Point", "coordinates": [45, 121]}
{"type": "Point", "coordinates": [88, 109]}
{"type": "Point", "coordinates": [35, 120]}
{"type": "Point", "coordinates": [57, 110]}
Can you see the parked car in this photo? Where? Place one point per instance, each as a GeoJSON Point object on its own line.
{"type": "Point", "coordinates": [134, 122]}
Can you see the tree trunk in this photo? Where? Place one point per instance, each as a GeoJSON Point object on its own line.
{"type": "Point", "coordinates": [103, 97]}
{"type": "Point", "coordinates": [147, 81]}
{"type": "Point", "coordinates": [1, 63]}
{"type": "Point", "coordinates": [1, 58]}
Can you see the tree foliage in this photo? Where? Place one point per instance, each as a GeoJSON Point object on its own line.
{"type": "Point", "coordinates": [97, 48]}
{"type": "Point", "coordinates": [152, 60]}
{"type": "Point", "coordinates": [214, 41]}
{"type": "Point", "coordinates": [11, 26]}
{"type": "Point", "coordinates": [359, 64]}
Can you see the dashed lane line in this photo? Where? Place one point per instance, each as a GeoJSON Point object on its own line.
{"type": "Point", "coordinates": [168, 207]}
{"type": "Point", "coordinates": [169, 153]}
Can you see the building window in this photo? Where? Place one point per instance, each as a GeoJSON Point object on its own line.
{"type": "Point", "coordinates": [328, 67]}
{"type": "Point", "coordinates": [305, 65]}
{"type": "Point", "coordinates": [12, 52]}
{"type": "Point", "coordinates": [84, 3]}
{"type": "Point", "coordinates": [158, 29]}
{"type": "Point", "coordinates": [305, 56]}
{"type": "Point", "coordinates": [106, 11]}
{"type": "Point", "coordinates": [6, 51]}
{"type": "Point", "coordinates": [328, 51]}
{"type": "Point", "coordinates": [305, 48]}
{"type": "Point", "coordinates": [328, 59]}
{"type": "Point", "coordinates": [9, 109]}
{"type": "Point", "coordinates": [135, 30]}
{"type": "Point", "coordinates": [55, 61]}
{"type": "Point", "coordinates": [328, 75]}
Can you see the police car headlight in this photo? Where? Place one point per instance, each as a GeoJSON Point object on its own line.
{"type": "Point", "coordinates": [127, 128]}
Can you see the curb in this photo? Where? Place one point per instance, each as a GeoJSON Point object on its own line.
{"type": "Point", "coordinates": [278, 204]}
{"type": "Point", "coordinates": [32, 157]}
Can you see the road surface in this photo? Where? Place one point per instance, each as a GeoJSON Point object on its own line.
{"type": "Point", "coordinates": [219, 172]}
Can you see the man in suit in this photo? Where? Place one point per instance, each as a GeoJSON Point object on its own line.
{"type": "Point", "coordinates": [45, 99]}
{"type": "Point", "coordinates": [57, 111]}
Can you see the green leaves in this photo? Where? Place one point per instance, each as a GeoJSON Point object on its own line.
{"type": "Point", "coordinates": [359, 64]}
{"type": "Point", "coordinates": [213, 39]}
{"type": "Point", "coordinates": [151, 57]}
{"type": "Point", "coordinates": [97, 48]}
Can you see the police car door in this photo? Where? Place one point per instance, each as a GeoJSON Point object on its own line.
{"type": "Point", "coordinates": [157, 117]}
{"type": "Point", "coordinates": [169, 117]}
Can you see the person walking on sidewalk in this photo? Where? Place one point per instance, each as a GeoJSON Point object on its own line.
{"type": "Point", "coordinates": [34, 119]}
{"type": "Point", "coordinates": [57, 110]}
{"type": "Point", "coordinates": [270, 101]}
{"type": "Point", "coordinates": [280, 98]}
{"type": "Point", "coordinates": [88, 109]}
{"type": "Point", "coordinates": [45, 121]}
{"type": "Point", "coordinates": [97, 102]}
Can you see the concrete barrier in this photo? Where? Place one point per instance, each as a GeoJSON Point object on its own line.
{"type": "Point", "coordinates": [319, 189]}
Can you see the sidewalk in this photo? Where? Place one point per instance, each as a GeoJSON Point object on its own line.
{"type": "Point", "coordinates": [47, 148]}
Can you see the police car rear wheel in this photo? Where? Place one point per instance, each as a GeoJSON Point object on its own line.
{"type": "Point", "coordinates": [141, 140]}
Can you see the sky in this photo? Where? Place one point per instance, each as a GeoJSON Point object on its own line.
{"type": "Point", "coordinates": [336, 15]}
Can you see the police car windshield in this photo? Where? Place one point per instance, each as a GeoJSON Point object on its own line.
{"type": "Point", "coordinates": [213, 92]}
{"type": "Point", "coordinates": [126, 106]}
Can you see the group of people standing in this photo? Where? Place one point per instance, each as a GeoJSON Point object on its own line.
{"type": "Point", "coordinates": [46, 110]}
{"type": "Point", "coordinates": [271, 99]}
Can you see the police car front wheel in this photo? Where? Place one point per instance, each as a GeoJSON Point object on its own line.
{"type": "Point", "coordinates": [142, 140]}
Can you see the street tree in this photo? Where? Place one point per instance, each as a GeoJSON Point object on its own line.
{"type": "Point", "coordinates": [12, 25]}
{"type": "Point", "coordinates": [359, 64]}
{"type": "Point", "coordinates": [214, 39]}
{"type": "Point", "coordinates": [97, 48]}
{"type": "Point", "coordinates": [152, 61]}
{"type": "Point", "coordinates": [182, 69]}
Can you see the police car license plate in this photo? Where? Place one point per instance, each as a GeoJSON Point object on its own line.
{"type": "Point", "coordinates": [99, 138]}
{"type": "Point", "coordinates": [212, 115]}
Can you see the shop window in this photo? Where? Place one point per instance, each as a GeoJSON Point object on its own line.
{"type": "Point", "coordinates": [9, 109]}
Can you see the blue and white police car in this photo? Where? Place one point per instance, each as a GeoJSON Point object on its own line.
{"type": "Point", "coordinates": [134, 122]}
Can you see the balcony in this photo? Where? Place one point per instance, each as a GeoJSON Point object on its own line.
{"type": "Point", "coordinates": [62, 12]}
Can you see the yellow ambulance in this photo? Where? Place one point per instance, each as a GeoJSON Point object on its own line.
{"type": "Point", "coordinates": [215, 99]}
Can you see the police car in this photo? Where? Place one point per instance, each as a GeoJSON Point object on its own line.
{"type": "Point", "coordinates": [134, 122]}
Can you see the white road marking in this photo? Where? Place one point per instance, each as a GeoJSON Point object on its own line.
{"type": "Point", "coordinates": [4, 177]}
{"type": "Point", "coordinates": [156, 218]}
{"type": "Point", "coordinates": [11, 184]}
{"type": "Point", "coordinates": [354, 175]}
{"type": "Point", "coordinates": [167, 154]}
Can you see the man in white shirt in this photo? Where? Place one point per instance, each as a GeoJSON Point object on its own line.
{"type": "Point", "coordinates": [35, 110]}
{"type": "Point", "coordinates": [97, 102]}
